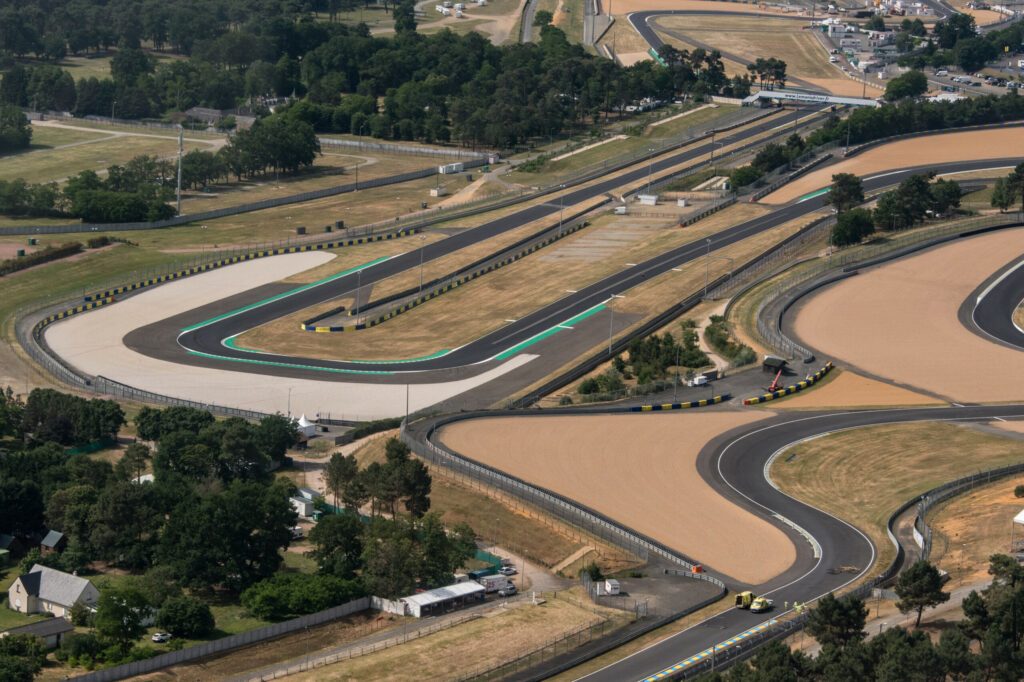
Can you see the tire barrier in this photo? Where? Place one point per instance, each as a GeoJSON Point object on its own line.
{"type": "Point", "coordinates": [264, 253]}
{"type": "Point", "coordinates": [664, 407]}
{"type": "Point", "coordinates": [443, 288]}
{"type": "Point", "coordinates": [788, 390]}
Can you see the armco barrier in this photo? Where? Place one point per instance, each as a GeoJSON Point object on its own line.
{"type": "Point", "coordinates": [225, 644]}
{"type": "Point", "coordinates": [252, 255]}
{"type": "Point", "coordinates": [664, 407]}
{"type": "Point", "coordinates": [442, 286]}
{"type": "Point", "coordinates": [794, 388]}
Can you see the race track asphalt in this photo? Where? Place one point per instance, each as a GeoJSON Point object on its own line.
{"type": "Point", "coordinates": [993, 308]}
{"type": "Point", "coordinates": [205, 345]}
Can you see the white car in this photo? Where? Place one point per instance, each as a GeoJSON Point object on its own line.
{"type": "Point", "coordinates": [161, 637]}
{"type": "Point", "coordinates": [507, 591]}
{"type": "Point", "coordinates": [507, 570]}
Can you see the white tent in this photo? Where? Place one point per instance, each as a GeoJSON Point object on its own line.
{"type": "Point", "coordinates": [306, 427]}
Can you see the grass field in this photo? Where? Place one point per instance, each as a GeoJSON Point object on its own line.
{"type": "Point", "coordinates": [1018, 315]}
{"type": "Point", "coordinates": [751, 37]}
{"type": "Point", "coordinates": [553, 172]}
{"type": "Point", "coordinates": [48, 137]}
{"type": "Point", "coordinates": [970, 528]}
{"type": "Point", "coordinates": [472, 310]}
{"type": "Point", "coordinates": [863, 475]}
{"type": "Point", "coordinates": [48, 165]}
{"type": "Point", "coordinates": [477, 644]}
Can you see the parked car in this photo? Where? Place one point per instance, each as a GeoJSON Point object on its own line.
{"type": "Point", "coordinates": [942, 72]}
{"type": "Point", "coordinates": [507, 591]}
{"type": "Point", "coordinates": [507, 570]}
{"type": "Point", "coordinates": [161, 637]}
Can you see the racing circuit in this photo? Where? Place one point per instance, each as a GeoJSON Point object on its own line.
{"type": "Point", "coordinates": [198, 335]}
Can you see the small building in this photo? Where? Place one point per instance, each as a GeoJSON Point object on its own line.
{"type": "Point", "coordinates": [611, 586]}
{"type": "Point", "coordinates": [305, 427]}
{"type": "Point", "coordinates": [647, 199]}
{"type": "Point", "coordinates": [47, 590]}
{"type": "Point", "coordinates": [53, 543]}
{"type": "Point", "coordinates": [773, 364]}
{"type": "Point", "coordinates": [302, 507]}
{"type": "Point", "coordinates": [443, 599]}
{"type": "Point", "coordinates": [308, 494]}
{"type": "Point", "coordinates": [11, 544]}
{"type": "Point", "coordinates": [52, 631]}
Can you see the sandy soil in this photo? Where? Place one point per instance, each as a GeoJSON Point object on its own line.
{"type": "Point", "coordinates": [640, 470]}
{"type": "Point", "coordinates": [850, 389]}
{"type": "Point", "coordinates": [624, 7]}
{"type": "Point", "coordinates": [92, 342]}
{"type": "Point", "coordinates": [11, 250]}
{"type": "Point", "coordinates": [1011, 426]}
{"type": "Point", "coordinates": [900, 321]}
{"type": "Point", "coordinates": [920, 151]}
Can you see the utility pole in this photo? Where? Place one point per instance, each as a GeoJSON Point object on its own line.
{"type": "Point", "coordinates": [181, 151]}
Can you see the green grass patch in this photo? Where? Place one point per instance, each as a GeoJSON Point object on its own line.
{"type": "Point", "coordinates": [297, 562]}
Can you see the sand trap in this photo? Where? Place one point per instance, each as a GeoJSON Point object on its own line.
{"type": "Point", "coordinates": [919, 151]}
{"type": "Point", "coordinates": [639, 470]}
{"type": "Point", "coordinates": [1011, 426]}
{"type": "Point", "coordinates": [93, 343]}
{"type": "Point", "coordinates": [850, 389]}
{"type": "Point", "coordinates": [900, 321]}
{"type": "Point", "coordinates": [623, 7]}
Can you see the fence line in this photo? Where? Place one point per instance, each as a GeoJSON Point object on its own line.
{"type": "Point", "coordinates": [216, 646]}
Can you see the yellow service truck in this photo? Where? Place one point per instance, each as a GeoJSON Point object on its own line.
{"type": "Point", "coordinates": [749, 600]}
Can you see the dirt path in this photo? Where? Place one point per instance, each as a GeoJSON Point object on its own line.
{"type": "Point", "coordinates": [639, 470]}
{"type": "Point", "coordinates": [899, 321]}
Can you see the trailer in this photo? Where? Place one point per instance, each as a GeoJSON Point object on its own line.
{"type": "Point", "coordinates": [493, 583]}
{"type": "Point", "coordinates": [449, 168]}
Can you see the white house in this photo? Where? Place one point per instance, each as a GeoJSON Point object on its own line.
{"type": "Point", "coordinates": [46, 590]}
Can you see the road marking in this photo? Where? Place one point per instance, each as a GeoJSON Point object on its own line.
{"type": "Point", "coordinates": [511, 320]}
{"type": "Point", "coordinates": [676, 270]}
{"type": "Point", "coordinates": [571, 291]}
{"type": "Point", "coordinates": [956, 405]}
{"type": "Point", "coordinates": [632, 265]}
{"type": "Point", "coordinates": [1000, 419]}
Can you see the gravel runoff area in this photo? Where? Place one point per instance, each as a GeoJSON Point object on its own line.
{"type": "Point", "coordinates": [640, 470]}
{"type": "Point", "coordinates": [900, 321]}
{"type": "Point", "coordinates": [850, 389]}
{"type": "Point", "coordinates": [917, 151]}
{"type": "Point", "coordinates": [92, 342]}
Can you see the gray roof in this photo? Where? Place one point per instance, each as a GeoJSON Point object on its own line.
{"type": "Point", "coordinates": [55, 586]}
{"type": "Point", "coordinates": [44, 628]}
{"type": "Point", "coordinates": [52, 538]}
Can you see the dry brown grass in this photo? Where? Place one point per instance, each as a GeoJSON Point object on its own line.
{"type": "Point", "coordinates": [1018, 315]}
{"type": "Point", "coordinates": [477, 644]}
{"type": "Point", "coordinates": [971, 528]}
{"type": "Point", "coordinates": [863, 475]}
{"type": "Point", "coordinates": [354, 256]}
{"type": "Point", "coordinates": [282, 649]}
{"type": "Point", "coordinates": [473, 310]}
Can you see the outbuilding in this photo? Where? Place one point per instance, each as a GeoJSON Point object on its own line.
{"type": "Point", "coordinates": [443, 599]}
{"type": "Point", "coordinates": [51, 631]}
{"type": "Point", "coordinates": [306, 428]}
{"type": "Point", "coordinates": [773, 364]}
{"type": "Point", "coordinates": [302, 506]}
{"type": "Point", "coordinates": [53, 542]}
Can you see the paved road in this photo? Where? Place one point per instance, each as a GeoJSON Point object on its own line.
{"type": "Point", "coordinates": [204, 345]}
{"type": "Point", "coordinates": [994, 305]}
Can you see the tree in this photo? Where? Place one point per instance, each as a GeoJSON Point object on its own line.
{"type": "Point", "coordinates": [340, 472]}
{"type": "Point", "coordinates": [28, 651]}
{"type": "Point", "coordinates": [852, 227]}
{"type": "Point", "coordinates": [918, 587]}
{"type": "Point", "coordinates": [542, 18]}
{"type": "Point", "coordinates": [1004, 194]}
{"type": "Point", "coordinates": [15, 131]}
{"type": "Point", "coordinates": [875, 23]}
{"type": "Point", "coordinates": [846, 192]}
{"type": "Point", "coordinates": [390, 561]}
{"type": "Point", "coordinates": [945, 195]}
{"type": "Point", "coordinates": [911, 84]}
{"type": "Point", "coordinates": [405, 17]}
{"type": "Point", "coordinates": [133, 462]}
{"type": "Point", "coordinates": [337, 544]}
{"type": "Point", "coordinates": [186, 617]}
{"type": "Point", "coordinates": [120, 613]}
{"type": "Point", "coordinates": [837, 622]}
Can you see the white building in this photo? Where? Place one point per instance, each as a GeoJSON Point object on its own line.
{"type": "Point", "coordinates": [443, 598]}
{"type": "Point", "coordinates": [46, 590]}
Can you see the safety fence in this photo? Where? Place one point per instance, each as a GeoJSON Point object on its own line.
{"type": "Point", "coordinates": [794, 388]}
{"type": "Point", "coordinates": [407, 149]}
{"type": "Point", "coordinates": [441, 286]}
{"type": "Point", "coordinates": [225, 644]}
{"type": "Point", "coordinates": [803, 170]}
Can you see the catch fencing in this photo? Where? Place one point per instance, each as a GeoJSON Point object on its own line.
{"type": "Point", "coordinates": [406, 149]}
{"type": "Point", "coordinates": [225, 644]}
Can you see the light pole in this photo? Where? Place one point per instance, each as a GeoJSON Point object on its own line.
{"type": "Point", "coordinates": [359, 286]}
{"type": "Point", "coordinates": [423, 238]}
{"type": "Point", "coordinates": [289, 401]}
{"type": "Point", "coordinates": [711, 162]}
{"type": "Point", "coordinates": [611, 324]}
{"type": "Point", "coordinates": [707, 268]}
{"type": "Point", "coordinates": [113, 106]}
{"type": "Point", "coordinates": [650, 168]}
{"type": "Point", "coordinates": [561, 211]}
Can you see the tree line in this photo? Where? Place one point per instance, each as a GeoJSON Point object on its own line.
{"type": "Point", "coordinates": [912, 202]}
{"type": "Point", "coordinates": [956, 40]}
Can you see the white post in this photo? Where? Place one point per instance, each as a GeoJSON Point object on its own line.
{"type": "Point", "coordinates": [181, 151]}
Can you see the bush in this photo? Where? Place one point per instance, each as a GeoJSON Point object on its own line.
{"type": "Point", "coordinates": [377, 426]}
{"type": "Point", "coordinates": [720, 338]}
{"type": "Point", "coordinates": [743, 176]}
{"type": "Point", "coordinates": [1018, 491]}
{"type": "Point", "coordinates": [592, 570]}
{"type": "Point", "coordinates": [295, 594]}
{"type": "Point", "coordinates": [186, 617]}
{"type": "Point", "coordinates": [565, 400]}
{"type": "Point", "coordinates": [852, 227]}
{"type": "Point", "coordinates": [50, 253]}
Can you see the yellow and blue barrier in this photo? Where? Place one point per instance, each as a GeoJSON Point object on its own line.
{"type": "Point", "coordinates": [311, 326]}
{"type": "Point", "coordinates": [664, 407]}
{"type": "Point", "coordinates": [710, 652]}
{"type": "Point", "coordinates": [788, 390]}
{"type": "Point", "coordinates": [252, 255]}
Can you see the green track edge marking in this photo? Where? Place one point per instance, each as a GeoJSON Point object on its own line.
{"type": "Point", "coordinates": [549, 332]}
